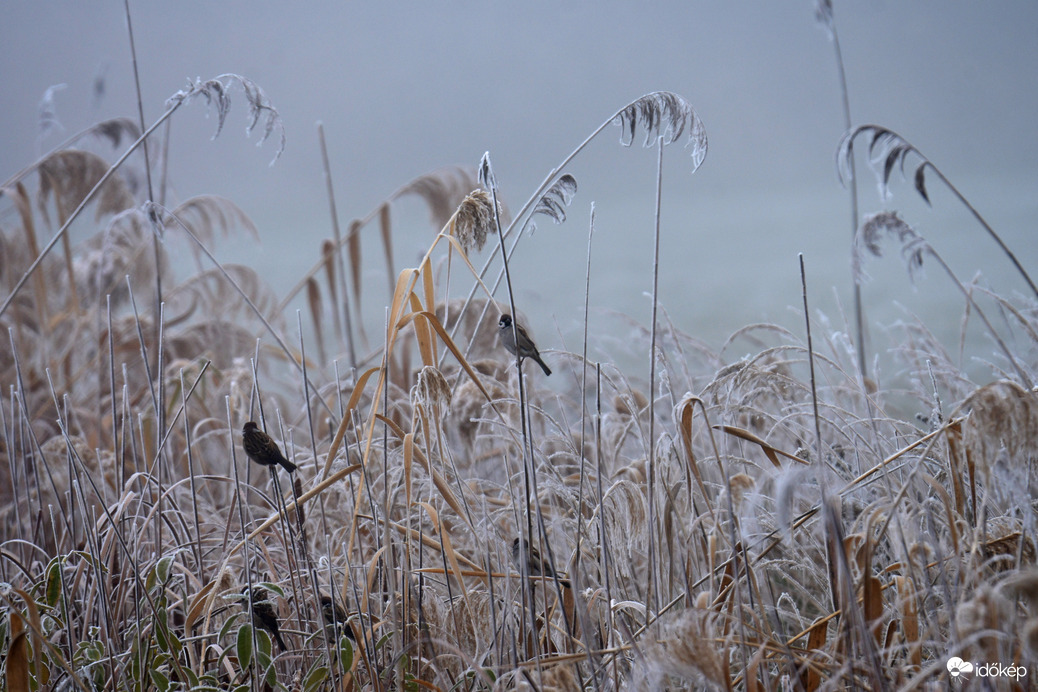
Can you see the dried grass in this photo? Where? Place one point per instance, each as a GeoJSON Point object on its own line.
{"type": "Point", "coordinates": [702, 539]}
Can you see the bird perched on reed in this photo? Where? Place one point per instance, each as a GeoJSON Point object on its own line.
{"type": "Point", "coordinates": [535, 565]}
{"type": "Point", "coordinates": [263, 614]}
{"type": "Point", "coordinates": [333, 614]}
{"type": "Point", "coordinates": [526, 347]}
{"type": "Point", "coordinates": [260, 448]}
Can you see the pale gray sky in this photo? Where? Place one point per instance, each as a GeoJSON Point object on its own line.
{"type": "Point", "coordinates": [405, 87]}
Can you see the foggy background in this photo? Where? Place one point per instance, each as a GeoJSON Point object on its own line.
{"type": "Point", "coordinates": [406, 87]}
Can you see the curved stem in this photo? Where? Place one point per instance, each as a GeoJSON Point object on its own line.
{"type": "Point", "coordinates": [986, 226]}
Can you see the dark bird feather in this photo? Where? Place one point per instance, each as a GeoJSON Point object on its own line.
{"type": "Point", "coordinates": [262, 449]}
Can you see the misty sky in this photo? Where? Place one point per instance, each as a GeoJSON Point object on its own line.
{"type": "Point", "coordinates": [405, 87]}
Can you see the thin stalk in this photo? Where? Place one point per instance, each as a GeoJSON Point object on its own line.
{"type": "Point", "coordinates": [811, 364]}
{"type": "Point", "coordinates": [859, 316]}
{"type": "Point", "coordinates": [337, 231]}
{"type": "Point", "coordinates": [583, 390]}
{"type": "Point", "coordinates": [147, 161]}
{"type": "Point", "coordinates": [987, 227]}
{"type": "Point", "coordinates": [653, 597]}
{"type": "Point", "coordinates": [197, 543]}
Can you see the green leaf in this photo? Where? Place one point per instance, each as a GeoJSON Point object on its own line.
{"type": "Point", "coordinates": [346, 652]}
{"type": "Point", "coordinates": [227, 625]}
{"type": "Point", "coordinates": [315, 678]}
{"type": "Point", "coordinates": [270, 587]}
{"type": "Point", "coordinates": [243, 646]}
{"type": "Point", "coordinates": [53, 592]}
{"type": "Point", "coordinates": [160, 680]}
{"type": "Point", "coordinates": [163, 567]}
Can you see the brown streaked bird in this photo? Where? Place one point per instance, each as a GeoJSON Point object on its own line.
{"type": "Point", "coordinates": [334, 615]}
{"type": "Point", "coordinates": [527, 349]}
{"type": "Point", "coordinates": [535, 566]}
{"type": "Point", "coordinates": [264, 616]}
{"type": "Point", "coordinates": [260, 448]}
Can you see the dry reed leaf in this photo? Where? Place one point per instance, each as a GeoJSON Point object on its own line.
{"type": "Point", "coordinates": [356, 265]}
{"type": "Point", "coordinates": [812, 677]}
{"type": "Point", "coordinates": [441, 484]}
{"type": "Point", "coordinates": [906, 599]}
{"type": "Point", "coordinates": [386, 231]}
{"type": "Point", "coordinates": [70, 175]}
{"type": "Point", "coordinates": [21, 203]}
{"type": "Point", "coordinates": [313, 301]}
{"type": "Point", "coordinates": [769, 451]}
{"type": "Point", "coordinates": [16, 664]}
{"type": "Point", "coordinates": [872, 604]}
{"type": "Point", "coordinates": [949, 509]}
{"type": "Point", "coordinates": [446, 548]}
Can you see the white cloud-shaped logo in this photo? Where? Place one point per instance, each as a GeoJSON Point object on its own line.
{"type": "Point", "coordinates": [956, 666]}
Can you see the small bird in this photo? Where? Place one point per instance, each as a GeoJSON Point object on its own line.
{"type": "Point", "coordinates": [260, 448]}
{"type": "Point", "coordinates": [334, 615]}
{"type": "Point", "coordinates": [527, 349]}
{"type": "Point", "coordinates": [535, 566]}
{"type": "Point", "coordinates": [263, 615]}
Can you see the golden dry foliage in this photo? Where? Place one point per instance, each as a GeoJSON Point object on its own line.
{"type": "Point", "coordinates": [68, 176]}
{"type": "Point", "coordinates": [733, 551]}
{"type": "Point", "coordinates": [1003, 418]}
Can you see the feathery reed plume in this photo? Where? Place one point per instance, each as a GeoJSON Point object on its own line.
{"type": "Point", "coordinates": [893, 151]}
{"type": "Point", "coordinates": [473, 220]}
{"type": "Point", "coordinates": [443, 191]}
{"type": "Point", "coordinates": [70, 175]}
{"type": "Point", "coordinates": [871, 234]}
{"type": "Point", "coordinates": [689, 648]}
{"type": "Point", "coordinates": [47, 113]}
{"type": "Point", "coordinates": [432, 388]}
{"type": "Point", "coordinates": [215, 91]}
{"type": "Point", "coordinates": [553, 203]}
{"type": "Point", "coordinates": [209, 215]}
{"type": "Point", "coordinates": [663, 114]}
{"type": "Point", "coordinates": [913, 247]}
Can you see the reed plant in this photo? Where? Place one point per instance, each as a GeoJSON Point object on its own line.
{"type": "Point", "coordinates": [767, 522]}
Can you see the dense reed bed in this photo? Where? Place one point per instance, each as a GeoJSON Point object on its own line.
{"type": "Point", "coordinates": [768, 522]}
